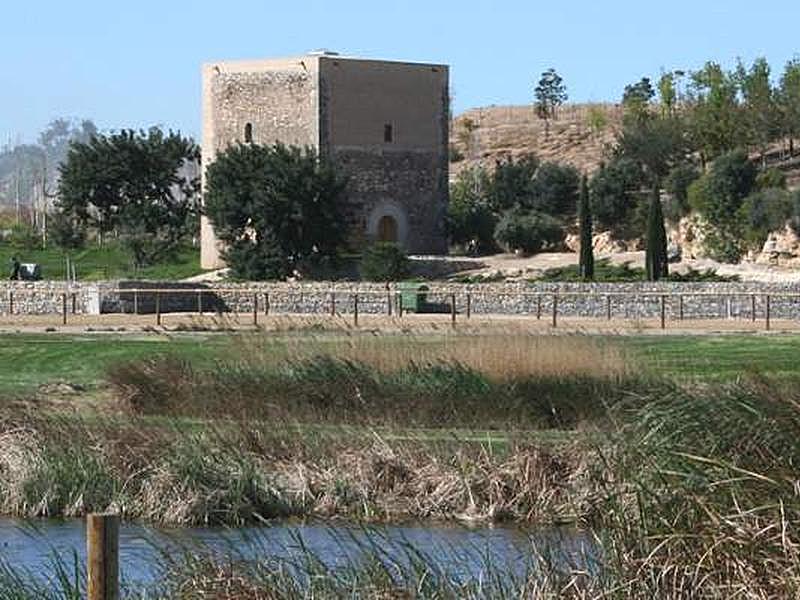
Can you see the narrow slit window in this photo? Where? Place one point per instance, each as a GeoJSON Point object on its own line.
{"type": "Point", "coordinates": [388, 133]}
{"type": "Point", "coordinates": [248, 133]}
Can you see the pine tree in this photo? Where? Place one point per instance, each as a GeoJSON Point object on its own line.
{"type": "Point", "coordinates": [656, 253]}
{"type": "Point", "coordinates": [585, 222]}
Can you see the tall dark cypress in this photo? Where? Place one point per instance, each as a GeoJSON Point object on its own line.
{"type": "Point", "coordinates": [586, 263]}
{"type": "Point", "coordinates": [656, 252]}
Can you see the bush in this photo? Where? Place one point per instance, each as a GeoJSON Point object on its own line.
{"type": "Point", "coordinates": [763, 212]}
{"type": "Point", "coordinates": [384, 261]}
{"type": "Point", "coordinates": [677, 186]}
{"type": "Point", "coordinates": [615, 196]}
{"type": "Point", "coordinates": [65, 232]}
{"type": "Point", "coordinates": [528, 231]}
{"type": "Point", "coordinates": [23, 237]}
{"type": "Point", "coordinates": [470, 215]}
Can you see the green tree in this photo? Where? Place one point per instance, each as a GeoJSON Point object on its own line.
{"type": "Point", "coordinates": [677, 185]}
{"type": "Point", "coordinates": [763, 212]}
{"type": "Point", "coordinates": [512, 183]}
{"type": "Point", "coordinates": [789, 101]}
{"type": "Point", "coordinates": [384, 261]}
{"type": "Point", "coordinates": [715, 119]}
{"type": "Point", "coordinates": [554, 190]}
{"type": "Point", "coordinates": [276, 209]}
{"type": "Point", "coordinates": [550, 93]}
{"type": "Point", "coordinates": [636, 98]}
{"type": "Point", "coordinates": [615, 194]}
{"type": "Point", "coordinates": [586, 261]}
{"type": "Point", "coordinates": [528, 231]}
{"type": "Point", "coordinates": [470, 214]}
{"type": "Point", "coordinates": [656, 263]}
{"type": "Point", "coordinates": [718, 196]}
{"type": "Point", "coordinates": [668, 92]}
{"type": "Point", "coordinates": [761, 116]}
{"type": "Point", "coordinates": [130, 183]}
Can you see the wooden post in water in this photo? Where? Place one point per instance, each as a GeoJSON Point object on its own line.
{"type": "Point", "coordinates": [64, 308]}
{"type": "Point", "coordinates": [555, 310]}
{"type": "Point", "coordinates": [102, 556]}
{"type": "Point", "coordinates": [355, 310]}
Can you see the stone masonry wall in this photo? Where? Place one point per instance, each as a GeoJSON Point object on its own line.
{"type": "Point", "coordinates": [630, 300]}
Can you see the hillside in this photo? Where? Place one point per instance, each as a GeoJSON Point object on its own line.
{"type": "Point", "coordinates": [484, 135]}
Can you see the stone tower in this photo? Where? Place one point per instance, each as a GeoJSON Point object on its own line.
{"type": "Point", "coordinates": [385, 124]}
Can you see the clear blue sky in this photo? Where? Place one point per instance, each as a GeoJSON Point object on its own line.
{"type": "Point", "coordinates": [137, 63]}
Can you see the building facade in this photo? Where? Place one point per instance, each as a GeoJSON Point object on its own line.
{"type": "Point", "coordinates": [385, 124]}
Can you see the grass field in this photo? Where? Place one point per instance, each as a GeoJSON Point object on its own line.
{"type": "Point", "coordinates": [107, 262]}
{"type": "Point", "coordinates": [28, 361]}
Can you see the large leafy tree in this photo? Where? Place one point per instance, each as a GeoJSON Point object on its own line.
{"type": "Point", "coordinates": [276, 208]}
{"type": "Point", "coordinates": [132, 184]}
{"type": "Point", "coordinates": [615, 194]}
{"type": "Point", "coordinates": [760, 116]}
{"type": "Point", "coordinates": [550, 93]}
{"type": "Point", "coordinates": [715, 117]}
{"type": "Point", "coordinates": [789, 101]}
{"type": "Point", "coordinates": [470, 214]}
{"type": "Point", "coordinates": [718, 196]}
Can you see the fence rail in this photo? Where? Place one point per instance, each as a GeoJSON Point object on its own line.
{"type": "Point", "coordinates": [608, 305]}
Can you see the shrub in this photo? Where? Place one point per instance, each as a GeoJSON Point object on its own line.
{"type": "Point", "coordinates": [384, 261]}
{"type": "Point", "coordinates": [763, 212]}
{"type": "Point", "coordinates": [65, 232]}
{"type": "Point", "coordinates": [470, 215]}
{"type": "Point", "coordinates": [23, 237]}
{"type": "Point", "coordinates": [528, 231]}
{"type": "Point", "coordinates": [677, 186]}
{"type": "Point", "coordinates": [615, 195]}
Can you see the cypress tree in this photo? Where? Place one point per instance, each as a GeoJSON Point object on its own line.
{"type": "Point", "coordinates": [656, 252]}
{"type": "Point", "coordinates": [586, 263]}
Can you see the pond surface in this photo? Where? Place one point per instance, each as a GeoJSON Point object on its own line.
{"type": "Point", "coordinates": [461, 553]}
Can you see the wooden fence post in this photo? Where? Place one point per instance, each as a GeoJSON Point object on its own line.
{"type": "Point", "coordinates": [680, 307]}
{"type": "Point", "coordinates": [753, 308]}
{"type": "Point", "coordinates": [158, 308]}
{"type": "Point", "coordinates": [64, 308]}
{"type": "Point", "coordinates": [333, 304]}
{"type": "Point", "coordinates": [102, 557]}
{"type": "Point", "coordinates": [200, 303]}
{"type": "Point", "coordinates": [469, 305]}
{"type": "Point", "coordinates": [538, 307]}
{"type": "Point", "coordinates": [663, 311]}
{"type": "Point", "coordinates": [266, 304]}
{"type": "Point", "coordinates": [399, 302]}
{"type": "Point", "coordinates": [388, 303]}
{"type": "Point", "coordinates": [74, 303]}
{"type": "Point", "coordinates": [355, 310]}
{"type": "Point", "coordinates": [453, 309]}
{"type": "Point", "coordinates": [255, 310]}
{"type": "Point", "coordinates": [555, 310]}
{"type": "Point", "coordinates": [608, 307]}
{"type": "Point", "coordinates": [10, 302]}
{"type": "Point", "coordinates": [135, 302]}
{"type": "Point", "coordinates": [768, 311]}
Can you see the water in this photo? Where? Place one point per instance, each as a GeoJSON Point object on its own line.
{"type": "Point", "coordinates": [460, 553]}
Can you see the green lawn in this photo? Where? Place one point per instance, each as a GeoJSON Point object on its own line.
{"type": "Point", "coordinates": [719, 357]}
{"type": "Point", "coordinates": [27, 361]}
{"type": "Point", "coordinates": [108, 262]}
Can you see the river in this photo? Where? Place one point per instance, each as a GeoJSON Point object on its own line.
{"type": "Point", "coordinates": [463, 554]}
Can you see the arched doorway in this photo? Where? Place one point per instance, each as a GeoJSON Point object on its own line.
{"type": "Point", "coordinates": [387, 229]}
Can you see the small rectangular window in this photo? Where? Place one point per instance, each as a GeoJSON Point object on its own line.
{"type": "Point", "coordinates": [388, 134]}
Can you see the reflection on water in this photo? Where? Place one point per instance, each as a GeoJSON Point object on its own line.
{"type": "Point", "coordinates": [462, 554]}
